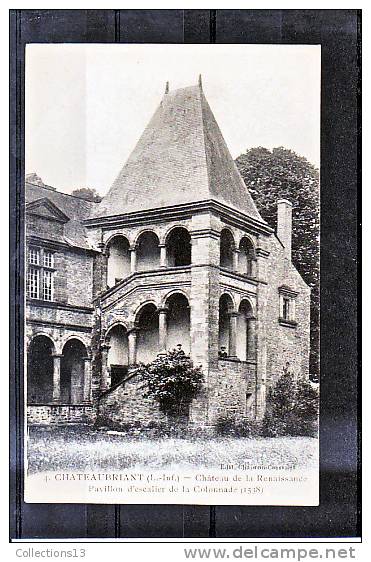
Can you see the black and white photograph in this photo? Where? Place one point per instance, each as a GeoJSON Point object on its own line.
{"type": "Point", "coordinates": [172, 273]}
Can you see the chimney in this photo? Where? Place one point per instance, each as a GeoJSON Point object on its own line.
{"type": "Point", "coordinates": [284, 224]}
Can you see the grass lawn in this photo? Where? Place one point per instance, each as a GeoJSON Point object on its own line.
{"type": "Point", "coordinates": [86, 449]}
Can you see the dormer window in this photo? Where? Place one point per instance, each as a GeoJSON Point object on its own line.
{"type": "Point", "coordinates": [40, 274]}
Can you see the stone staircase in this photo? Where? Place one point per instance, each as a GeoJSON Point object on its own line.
{"type": "Point", "coordinates": [127, 403]}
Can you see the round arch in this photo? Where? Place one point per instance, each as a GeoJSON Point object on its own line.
{"type": "Point", "coordinates": [178, 322]}
{"type": "Point", "coordinates": [113, 325]}
{"type": "Point", "coordinates": [226, 307]}
{"type": "Point", "coordinates": [139, 308]}
{"type": "Point", "coordinates": [174, 292]}
{"type": "Point", "coordinates": [74, 353]}
{"type": "Point", "coordinates": [118, 353]}
{"type": "Point", "coordinates": [248, 237]}
{"type": "Point", "coordinates": [246, 256]}
{"type": "Point", "coordinates": [147, 322]}
{"type": "Point", "coordinates": [227, 248]}
{"type": "Point", "coordinates": [119, 260]}
{"type": "Point", "coordinates": [147, 250]}
{"type": "Point", "coordinates": [247, 302]}
{"type": "Point", "coordinates": [228, 229]}
{"type": "Point", "coordinates": [112, 237]}
{"type": "Point", "coordinates": [178, 247]}
{"type": "Point", "coordinates": [245, 343]}
{"type": "Point", "coordinates": [78, 338]}
{"type": "Point", "coordinates": [40, 369]}
{"type": "Point", "coordinates": [229, 299]}
{"type": "Point", "coordinates": [42, 334]}
{"type": "Point", "coordinates": [145, 231]}
{"type": "Point", "coordinates": [164, 236]}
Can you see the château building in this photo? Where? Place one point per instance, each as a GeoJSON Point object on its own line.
{"type": "Point", "coordinates": [175, 254]}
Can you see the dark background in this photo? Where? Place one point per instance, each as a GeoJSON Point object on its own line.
{"type": "Point", "coordinates": [338, 32]}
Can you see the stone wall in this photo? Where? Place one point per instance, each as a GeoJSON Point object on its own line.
{"type": "Point", "coordinates": [144, 287]}
{"type": "Point", "coordinates": [44, 227]}
{"type": "Point", "coordinates": [53, 414]}
{"type": "Point", "coordinates": [100, 268]}
{"type": "Point", "coordinates": [233, 391]}
{"type": "Point", "coordinates": [58, 323]}
{"type": "Point", "coordinates": [60, 278]}
{"type": "Point", "coordinates": [285, 343]}
{"type": "Point", "coordinates": [79, 273]}
{"type": "Point", "coordinates": [46, 312]}
{"type": "Point", "coordinates": [127, 404]}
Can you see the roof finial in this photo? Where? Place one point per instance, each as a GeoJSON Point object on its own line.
{"type": "Point", "coordinates": [167, 88]}
{"type": "Point", "coordinates": [200, 81]}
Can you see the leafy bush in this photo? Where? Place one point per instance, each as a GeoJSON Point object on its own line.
{"type": "Point", "coordinates": [87, 193]}
{"type": "Point", "coordinates": [227, 426]}
{"type": "Point", "coordinates": [292, 407]}
{"type": "Point", "coordinates": [173, 381]}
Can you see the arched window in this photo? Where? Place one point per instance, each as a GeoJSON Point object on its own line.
{"type": "Point", "coordinates": [227, 247]}
{"type": "Point", "coordinates": [118, 266]}
{"type": "Point", "coordinates": [178, 247]}
{"type": "Point", "coordinates": [245, 332]}
{"type": "Point", "coordinates": [225, 310]}
{"type": "Point", "coordinates": [246, 257]}
{"type": "Point", "coordinates": [148, 252]}
{"type": "Point", "coordinates": [40, 370]}
{"type": "Point", "coordinates": [147, 339]}
{"type": "Point", "coordinates": [118, 353]}
{"type": "Point", "coordinates": [72, 372]}
{"type": "Point", "coordinates": [178, 323]}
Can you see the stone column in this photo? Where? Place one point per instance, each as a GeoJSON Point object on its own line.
{"type": "Point", "coordinates": [100, 277]}
{"type": "Point", "coordinates": [261, 339]}
{"type": "Point", "coordinates": [204, 297]}
{"type": "Point", "coordinates": [133, 258]}
{"type": "Point", "coordinates": [105, 260]}
{"type": "Point", "coordinates": [204, 303]}
{"type": "Point", "coordinates": [105, 379]}
{"type": "Point", "coordinates": [57, 377]}
{"type": "Point", "coordinates": [162, 329]}
{"type": "Point", "coordinates": [163, 256]}
{"type": "Point", "coordinates": [251, 339]}
{"type": "Point", "coordinates": [87, 380]}
{"type": "Point", "coordinates": [232, 351]}
{"type": "Point", "coordinates": [132, 344]}
{"type": "Point", "coordinates": [236, 252]}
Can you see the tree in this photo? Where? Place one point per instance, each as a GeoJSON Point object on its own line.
{"type": "Point", "coordinates": [281, 173]}
{"type": "Point", "coordinates": [173, 381]}
{"type": "Point", "coordinates": [87, 193]}
{"type": "Point", "coordinates": [292, 407]}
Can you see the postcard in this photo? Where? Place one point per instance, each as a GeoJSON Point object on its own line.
{"type": "Point", "coordinates": [172, 274]}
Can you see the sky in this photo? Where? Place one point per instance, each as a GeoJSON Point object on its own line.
{"type": "Point", "coordinates": [87, 105]}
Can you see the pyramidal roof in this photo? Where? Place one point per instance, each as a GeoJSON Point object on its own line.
{"type": "Point", "coordinates": [180, 158]}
